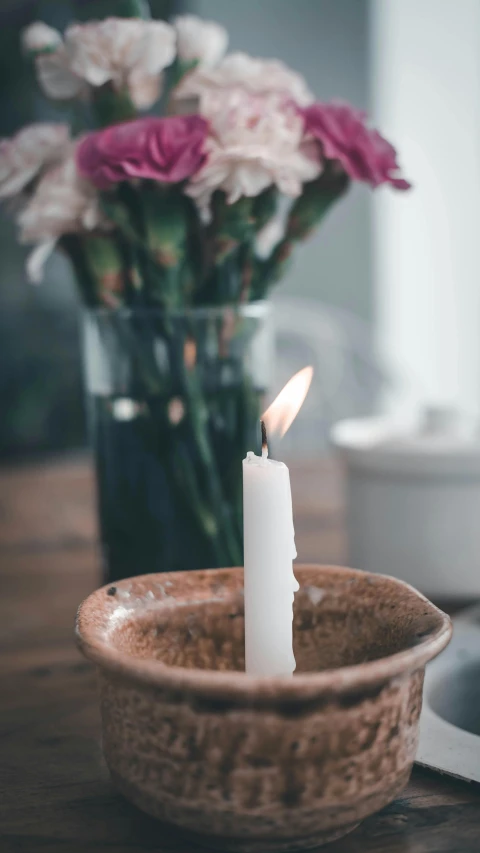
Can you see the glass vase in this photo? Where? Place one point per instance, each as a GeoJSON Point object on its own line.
{"type": "Point", "coordinates": [174, 402]}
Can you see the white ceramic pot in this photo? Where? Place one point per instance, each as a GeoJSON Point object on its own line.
{"type": "Point", "coordinates": [413, 502]}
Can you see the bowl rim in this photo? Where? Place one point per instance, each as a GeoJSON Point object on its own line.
{"type": "Point", "coordinates": [242, 686]}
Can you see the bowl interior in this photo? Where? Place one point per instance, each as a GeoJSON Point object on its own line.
{"type": "Point", "coordinates": [341, 617]}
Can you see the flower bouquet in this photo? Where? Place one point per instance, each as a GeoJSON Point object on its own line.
{"type": "Point", "coordinates": [176, 227]}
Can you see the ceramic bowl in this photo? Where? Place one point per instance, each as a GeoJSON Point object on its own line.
{"type": "Point", "coordinates": [428, 476]}
{"type": "Point", "coordinates": [242, 763]}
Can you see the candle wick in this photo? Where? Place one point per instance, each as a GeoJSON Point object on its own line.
{"type": "Point", "coordinates": [264, 440]}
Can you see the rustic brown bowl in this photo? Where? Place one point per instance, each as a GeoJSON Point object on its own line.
{"type": "Point", "coordinates": [260, 764]}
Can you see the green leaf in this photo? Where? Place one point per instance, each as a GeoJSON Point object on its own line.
{"type": "Point", "coordinates": [105, 263]}
{"type": "Point", "coordinates": [305, 215]}
{"type": "Point", "coordinates": [267, 272]}
{"type": "Point", "coordinates": [120, 215]}
{"type": "Point", "coordinates": [166, 227]}
{"type": "Point", "coordinates": [165, 213]}
{"type": "Point", "coordinates": [316, 199]}
{"type": "Point", "coordinates": [232, 225]}
{"type": "Point", "coordinates": [265, 206]}
{"type": "Point", "coordinates": [110, 106]}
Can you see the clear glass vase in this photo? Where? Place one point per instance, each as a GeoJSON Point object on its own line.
{"type": "Point", "coordinates": [174, 403]}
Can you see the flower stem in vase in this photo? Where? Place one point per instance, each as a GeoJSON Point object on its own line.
{"type": "Point", "coordinates": [183, 468]}
{"type": "Point", "coordinates": [198, 418]}
{"type": "Point", "coordinates": [182, 385]}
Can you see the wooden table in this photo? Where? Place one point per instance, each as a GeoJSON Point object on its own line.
{"type": "Point", "coordinates": [55, 792]}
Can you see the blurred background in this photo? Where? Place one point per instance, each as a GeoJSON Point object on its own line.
{"type": "Point", "coordinates": [384, 299]}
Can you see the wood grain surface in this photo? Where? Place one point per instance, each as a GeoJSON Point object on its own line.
{"type": "Point", "coordinates": [55, 792]}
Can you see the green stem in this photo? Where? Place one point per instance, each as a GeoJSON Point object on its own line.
{"type": "Point", "coordinates": [104, 260]}
{"type": "Point", "coordinates": [185, 474]}
{"type": "Point", "coordinates": [306, 214]}
{"type": "Point", "coordinates": [198, 420]}
{"type": "Point", "coordinates": [110, 106]}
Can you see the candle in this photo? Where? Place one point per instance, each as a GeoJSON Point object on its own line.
{"type": "Point", "coordinates": [269, 543]}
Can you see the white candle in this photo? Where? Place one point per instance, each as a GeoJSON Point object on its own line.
{"type": "Point", "coordinates": [269, 543]}
{"type": "Point", "coordinates": [269, 582]}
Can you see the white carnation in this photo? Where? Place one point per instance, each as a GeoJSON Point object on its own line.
{"type": "Point", "coordinates": [257, 76]}
{"type": "Point", "coordinates": [200, 41]}
{"type": "Point", "coordinates": [25, 155]}
{"type": "Point", "coordinates": [110, 50]}
{"type": "Point", "coordinates": [129, 53]}
{"type": "Point", "coordinates": [63, 203]}
{"type": "Point", "coordinates": [255, 142]}
{"type": "Point", "coordinates": [56, 78]}
{"type": "Point", "coordinates": [39, 37]}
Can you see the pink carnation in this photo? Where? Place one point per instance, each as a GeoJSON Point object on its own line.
{"type": "Point", "coordinates": [163, 149]}
{"type": "Point", "coordinates": [344, 136]}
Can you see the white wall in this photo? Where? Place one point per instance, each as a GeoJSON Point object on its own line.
{"type": "Point", "coordinates": [426, 96]}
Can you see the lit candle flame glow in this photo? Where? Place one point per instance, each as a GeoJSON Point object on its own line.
{"type": "Point", "coordinates": [282, 412]}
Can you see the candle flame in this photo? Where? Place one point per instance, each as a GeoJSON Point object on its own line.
{"type": "Point", "coordinates": [282, 412]}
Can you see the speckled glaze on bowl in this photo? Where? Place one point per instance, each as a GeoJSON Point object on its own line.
{"type": "Point", "coordinates": [242, 763]}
